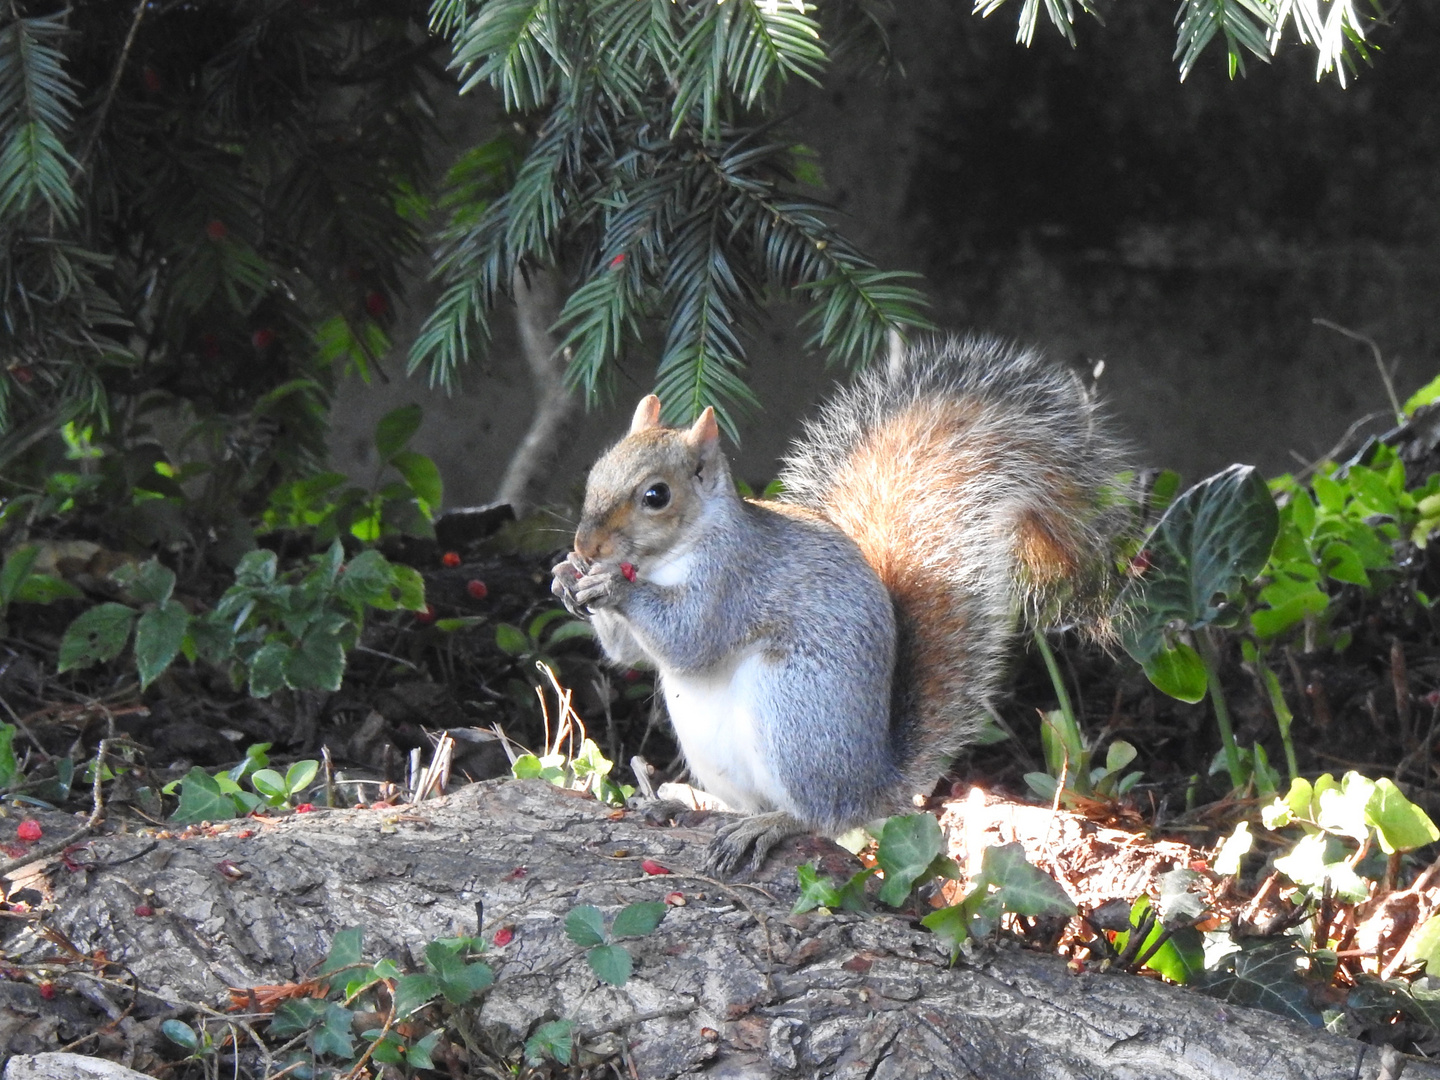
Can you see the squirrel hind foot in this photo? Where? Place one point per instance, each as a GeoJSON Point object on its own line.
{"type": "Point", "coordinates": [746, 843]}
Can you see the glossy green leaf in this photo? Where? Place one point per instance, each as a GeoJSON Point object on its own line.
{"type": "Point", "coordinates": [1179, 672]}
{"type": "Point", "coordinates": [1022, 888]}
{"type": "Point", "coordinates": [202, 800]}
{"type": "Point", "coordinates": [908, 846]}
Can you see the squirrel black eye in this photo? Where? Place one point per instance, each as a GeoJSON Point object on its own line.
{"type": "Point", "coordinates": [657, 496]}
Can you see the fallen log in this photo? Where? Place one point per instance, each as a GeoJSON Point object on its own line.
{"type": "Point", "coordinates": [729, 985]}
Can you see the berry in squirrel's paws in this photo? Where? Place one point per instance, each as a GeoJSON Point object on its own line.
{"type": "Point", "coordinates": [628, 569]}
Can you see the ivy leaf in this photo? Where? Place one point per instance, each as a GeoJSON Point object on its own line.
{"type": "Point", "coordinates": [908, 846]}
{"type": "Point", "coordinates": [202, 800]}
{"type": "Point", "coordinates": [1023, 889]}
{"type": "Point", "coordinates": [1268, 976]}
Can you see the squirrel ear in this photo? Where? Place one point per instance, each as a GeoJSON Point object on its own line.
{"type": "Point", "coordinates": [704, 434]}
{"type": "Point", "coordinates": [647, 414]}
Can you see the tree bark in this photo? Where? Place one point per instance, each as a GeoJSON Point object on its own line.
{"type": "Point", "coordinates": [537, 307]}
{"type": "Point", "coordinates": [730, 985]}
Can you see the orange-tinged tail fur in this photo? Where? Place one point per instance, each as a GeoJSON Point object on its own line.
{"type": "Point", "coordinates": [976, 478]}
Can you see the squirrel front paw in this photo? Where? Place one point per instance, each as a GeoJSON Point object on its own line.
{"type": "Point", "coordinates": [566, 576]}
{"type": "Point", "coordinates": [581, 587]}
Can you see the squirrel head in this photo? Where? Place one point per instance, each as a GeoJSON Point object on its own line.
{"type": "Point", "coordinates": [646, 496]}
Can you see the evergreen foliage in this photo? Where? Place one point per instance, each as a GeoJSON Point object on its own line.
{"type": "Point", "coordinates": [203, 204]}
{"type": "Point", "coordinates": [209, 202]}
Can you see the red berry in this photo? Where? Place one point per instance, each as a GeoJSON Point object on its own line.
{"type": "Point", "coordinates": [450, 558]}
{"type": "Point", "coordinates": [1433, 698]}
{"type": "Point", "coordinates": [23, 374]}
{"type": "Point", "coordinates": [29, 831]}
{"type": "Point", "coordinates": [305, 808]}
{"type": "Point", "coordinates": [1140, 563]}
{"type": "Point", "coordinates": [151, 78]}
{"type": "Point", "coordinates": [216, 229]}
{"type": "Point", "coordinates": [477, 589]}
{"type": "Point", "coordinates": [209, 346]}
{"type": "Point", "coordinates": [503, 936]}
{"type": "Point", "coordinates": [631, 675]}
{"type": "Point", "coordinates": [144, 911]}
{"type": "Point", "coordinates": [618, 260]}
{"type": "Point", "coordinates": [675, 899]}
{"type": "Point", "coordinates": [650, 866]}
{"type": "Point", "coordinates": [628, 569]}
{"type": "Point", "coordinates": [427, 616]}
{"type": "Point", "coordinates": [263, 338]}
{"type": "Point", "coordinates": [375, 303]}
{"type": "Point", "coordinates": [47, 990]}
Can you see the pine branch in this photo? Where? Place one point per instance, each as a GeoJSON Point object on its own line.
{"type": "Point", "coordinates": [37, 99]}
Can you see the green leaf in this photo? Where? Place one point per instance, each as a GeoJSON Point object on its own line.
{"type": "Point", "coordinates": [158, 636]}
{"type": "Point", "coordinates": [317, 662]}
{"type": "Point", "coordinates": [1424, 942]}
{"type": "Point", "coordinates": [9, 765]}
{"type": "Point", "coordinates": [552, 1041]}
{"type": "Point", "coordinates": [1023, 889]}
{"type": "Point", "coordinates": [908, 846]}
{"type": "Point", "coordinates": [1236, 846]}
{"type": "Point", "coordinates": [44, 589]}
{"type": "Point", "coordinates": [333, 1037]}
{"type": "Point", "coordinates": [639, 919]}
{"type": "Point", "coordinates": [1399, 824]}
{"type": "Point", "coordinates": [951, 925]}
{"type": "Point", "coordinates": [527, 767]}
{"type": "Point", "coordinates": [395, 429]}
{"type": "Point", "coordinates": [345, 951]}
{"type": "Point", "coordinates": [271, 785]}
{"type": "Point", "coordinates": [149, 583]}
{"type": "Point", "coordinates": [295, 1016]}
{"type": "Point", "coordinates": [1179, 672]}
{"type": "Point", "coordinates": [585, 926]}
{"type": "Point", "coordinates": [421, 473]}
{"type": "Point", "coordinates": [1215, 536]}
{"type": "Point", "coordinates": [96, 636]}
{"type": "Point", "coordinates": [611, 963]}
{"type": "Point", "coordinates": [256, 568]}
{"type": "Point", "coordinates": [300, 775]}
{"type": "Point", "coordinates": [181, 1034]}
{"type": "Point", "coordinates": [511, 640]}
{"type": "Point", "coordinates": [202, 800]}
{"type": "Point", "coordinates": [267, 669]}
{"type": "Point", "coordinates": [16, 569]}
{"type": "Point", "coordinates": [1424, 396]}
{"type": "Point", "coordinates": [413, 991]}
{"type": "Point", "coordinates": [1179, 959]}
{"type": "Point", "coordinates": [1269, 975]}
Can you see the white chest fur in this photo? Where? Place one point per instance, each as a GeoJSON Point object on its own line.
{"type": "Point", "coordinates": [717, 720]}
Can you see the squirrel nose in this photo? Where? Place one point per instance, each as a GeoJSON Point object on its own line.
{"type": "Point", "coordinates": [587, 544]}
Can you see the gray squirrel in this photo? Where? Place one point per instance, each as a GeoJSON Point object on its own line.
{"type": "Point", "coordinates": [822, 656]}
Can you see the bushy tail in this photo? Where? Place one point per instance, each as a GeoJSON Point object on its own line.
{"type": "Point", "coordinates": [978, 480]}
